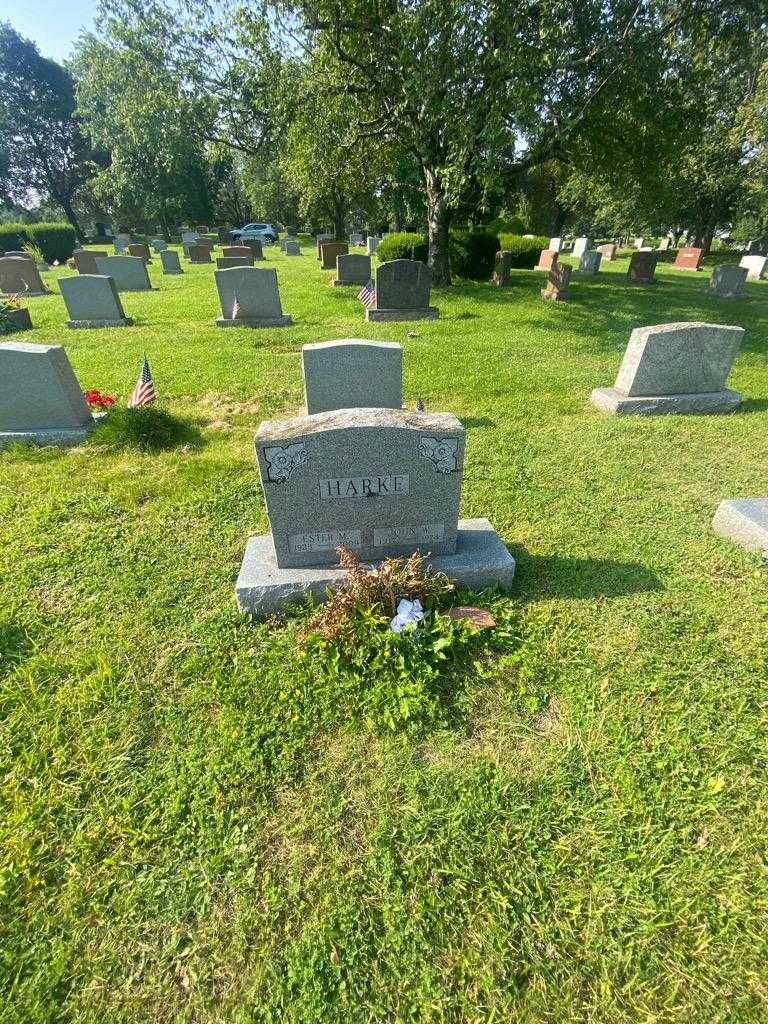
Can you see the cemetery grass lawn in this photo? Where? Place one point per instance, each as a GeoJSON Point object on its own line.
{"type": "Point", "coordinates": [195, 829]}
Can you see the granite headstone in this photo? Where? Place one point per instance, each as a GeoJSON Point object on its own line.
{"type": "Point", "coordinates": [252, 294]}
{"type": "Point", "coordinates": [352, 374]}
{"type": "Point", "coordinates": [92, 300]}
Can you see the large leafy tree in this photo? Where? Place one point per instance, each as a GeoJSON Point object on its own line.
{"type": "Point", "coordinates": [47, 154]}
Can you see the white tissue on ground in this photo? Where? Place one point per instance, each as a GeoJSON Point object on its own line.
{"type": "Point", "coordinates": [407, 612]}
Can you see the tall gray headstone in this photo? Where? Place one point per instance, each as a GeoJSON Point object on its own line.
{"type": "Point", "coordinates": [589, 264]}
{"type": "Point", "coordinates": [291, 247]}
{"type": "Point", "coordinates": [20, 276]}
{"type": "Point", "coordinates": [40, 399]}
{"type": "Point", "coordinates": [170, 261]}
{"type": "Point", "coordinates": [674, 368]}
{"type": "Point", "coordinates": [159, 244]}
{"type": "Point", "coordinates": [372, 244]}
{"type": "Point", "coordinates": [402, 292]}
{"type": "Point", "coordinates": [92, 301]}
{"type": "Point", "coordinates": [257, 295]}
{"type": "Point", "coordinates": [352, 374]}
{"type": "Point", "coordinates": [555, 244]}
{"type": "Point", "coordinates": [128, 272]}
{"type": "Point", "coordinates": [727, 282]}
{"type": "Point", "coordinates": [352, 268]}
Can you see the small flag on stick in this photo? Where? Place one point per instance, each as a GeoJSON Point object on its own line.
{"type": "Point", "coordinates": [144, 392]}
{"type": "Point", "coordinates": [367, 295]}
{"type": "Point", "coordinates": [236, 310]}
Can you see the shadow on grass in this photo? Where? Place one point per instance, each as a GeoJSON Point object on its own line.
{"type": "Point", "coordinates": [15, 646]}
{"type": "Point", "coordinates": [540, 577]}
{"type": "Point", "coordinates": [753, 405]}
{"type": "Point", "coordinates": [147, 429]}
{"type": "Point", "coordinates": [477, 422]}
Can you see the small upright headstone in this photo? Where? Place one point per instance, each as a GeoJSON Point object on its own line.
{"type": "Point", "coordinates": [372, 244]}
{"type": "Point", "coordinates": [189, 237]}
{"type": "Point", "coordinates": [664, 244]}
{"type": "Point", "coordinates": [688, 258]}
{"type": "Point", "coordinates": [140, 250]}
{"type": "Point", "coordinates": [352, 268]}
{"type": "Point", "coordinates": [501, 266]}
{"type": "Point", "coordinates": [639, 243]}
{"type": "Point", "coordinates": [291, 247]}
{"type": "Point", "coordinates": [402, 292]}
{"type": "Point", "coordinates": [171, 262]}
{"type": "Point", "coordinates": [225, 262]}
{"type": "Point", "coordinates": [92, 301]}
{"type": "Point", "coordinates": [607, 251]}
{"type": "Point", "coordinates": [555, 244]}
{"type": "Point", "coordinates": [581, 245]}
{"type": "Point", "coordinates": [727, 282]}
{"type": "Point", "coordinates": [321, 240]}
{"type": "Point", "coordinates": [20, 276]}
{"type": "Point", "coordinates": [249, 297]}
{"type": "Point", "coordinates": [40, 399]}
{"type": "Point", "coordinates": [558, 283]}
{"type": "Point", "coordinates": [356, 238]}
{"type": "Point", "coordinates": [547, 260]}
{"type": "Point", "coordinates": [202, 229]}
{"type": "Point", "coordinates": [199, 254]}
{"type": "Point", "coordinates": [352, 374]}
{"type": "Point", "coordinates": [328, 253]}
{"type": "Point", "coordinates": [589, 264]}
{"type": "Point", "coordinates": [159, 244]}
{"type": "Point", "coordinates": [129, 272]}
{"type": "Point", "coordinates": [85, 260]}
{"type": "Point", "coordinates": [237, 250]}
{"type": "Point", "coordinates": [254, 244]}
{"type": "Point", "coordinates": [755, 266]}
{"type": "Point", "coordinates": [222, 233]}
{"type": "Point", "coordinates": [674, 368]}
{"type": "Point", "coordinates": [642, 267]}
{"type": "Point", "coordinates": [757, 247]}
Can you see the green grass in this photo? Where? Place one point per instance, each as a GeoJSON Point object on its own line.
{"type": "Point", "coordinates": [197, 828]}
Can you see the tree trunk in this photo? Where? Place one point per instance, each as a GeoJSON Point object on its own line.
{"type": "Point", "coordinates": [439, 221]}
{"type": "Point", "coordinates": [72, 218]}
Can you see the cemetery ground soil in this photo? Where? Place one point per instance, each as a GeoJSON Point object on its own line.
{"type": "Point", "coordinates": [193, 832]}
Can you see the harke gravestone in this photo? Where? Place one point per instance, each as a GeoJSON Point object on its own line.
{"type": "Point", "coordinates": [352, 374]}
{"type": "Point", "coordinates": [92, 300]}
{"type": "Point", "coordinates": [129, 272]}
{"type": "Point", "coordinates": [380, 482]}
{"type": "Point", "coordinates": [41, 401]}
{"type": "Point", "coordinates": [674, 369]}
{"type": "Point", "coordinates": [402, 292]}
{"type": "Point", "coordinates": [249, 298]}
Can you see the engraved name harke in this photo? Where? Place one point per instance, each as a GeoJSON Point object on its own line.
{"type": "Point", "coordinates": [372, 486]}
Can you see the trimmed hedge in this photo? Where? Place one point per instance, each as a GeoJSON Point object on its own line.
{"type": "Point", "coordinates": [525, 251]}
{"type": "Point", "coordinates": [473, 253]}
{"type": "Point", "coordinates": [57, 241]}
{"type": "Point", "coordinates": [398, 246]}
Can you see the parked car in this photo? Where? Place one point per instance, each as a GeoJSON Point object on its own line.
{"type": "Point", "coordinates": [263, 232]}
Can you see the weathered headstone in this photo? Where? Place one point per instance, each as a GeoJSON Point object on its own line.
{"type": "Point", "coordinates": [547, 260]}
{"type": "Point", "coordinates": [555, 245]}
{"type": "Point", "coordinates": [120, 246]}
{"type": "Point", "coordinates": [664, 244]}
{"type": "Point", "coordinates": [755, 266]}
{"type": "Point", "coordinates": [581, 245]}
{"type": "Point", "coordinates": [674, 368]}
{"type": "Point", "coordinates": [223, 234]}
{"type": "Point", "coordinates": [171, 262]}
{"type": "Point", "coordinates": [140, 250]}
{"type": "Point", "coordinates": [20, 276]}
{"type": "Point", "coordinates": [237, 250]}
{"type": "Point", "coordinates": [501, 266]}
{"type": "Point", "coordinates": [321, 240]}
{"type": "Point", "coordinates": [254, 290]}
{"type": "Point", "coordinates": [727, 282]}
{"type": "Point", "coordinates": [642, 268]}
{"type": "Point", "coordinates": [85, 260]}
{"type": "Point", "coordinates": [402, 292]}
{"type": "Point", "coordinates": [159, 244]}
{"type": "Point", "coordinates": [688, 258]}
{"type": "Point", "coordinates": [639, 243]}
{"type": "Point", "coordinates": [92, 301]}
{"type": "Point", "coordinates": [352, 374]}
{"type": "Point", "coordinates": [225, 262]}
{"type": "Point", "coordinates": [356, 238]}
{"type": "Point", "coordinates": [129, 272]}
{"type": "Point", "coordinates": [291, 247]}
{"type": "Point", "coordinates": [202, 229]}
{"type": "Point", "coordinates": [254, 244]}
{"type": "Point", "coordinates": [558, 283]}
{"type": "Point", "coordinates": [380, 482]}
{"type": "Point", "coordinates": [372, 244]}
{"type": "Point", "coordinates": [199, 254]}
{"type": "Point", "coordinates": [188, 237]}
{"type": "Point", "coordinates": [589, 264]}
{"type": "Point", "coordinates": [607, 251]}
{"type": "Point", "coordinates": [745, 522]}
{"type": "Point", "coordinates": [328, 253]}
{"type": "Point", "coordinates": [40, 399]}
{"type": "Point", "coordinates": [757, 247]}
{"type": "Point", "coordinates": [352, 268]}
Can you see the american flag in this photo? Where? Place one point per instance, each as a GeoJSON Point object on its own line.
{"type": "Point", "coordinates": [236, 310]}
{"type": "Point", "coordinates": [144, 392]}
{"type": "Point", "coordinates": [367, 295]}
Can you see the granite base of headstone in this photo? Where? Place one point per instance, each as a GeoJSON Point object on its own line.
{"type": "Point", "coordinates": [41, 401]}
{"type": "Point", "coordinates": [249, 297]}
{"type": "Point", "coordinates": [402, 292]}
{"type": "Point", "coordinates": [745, 522]}
{"type": "Point", "coordinates": [352, 374]}
{"type": "Point", "coordinates": [92, 301]}
{"type": "Point", "coordinates": [674, 369]}
{"type": "Point", "coordinates": [558, 283]}
{"type": "Point", "coordinates": [380, 482]}
{"type": "Point", "coordinates": [727, 282]}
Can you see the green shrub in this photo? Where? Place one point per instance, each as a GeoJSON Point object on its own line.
{"type": "Point", "coordinates": [398, 246]}
{"type": "Point", "coordinates": [505, 226]}
{"type": "Point", "coordinates": [473, 252]}
{"type": "Point", "coordinates": [55, 241]}
{"type": "Point", "coordinates": [525, 251]}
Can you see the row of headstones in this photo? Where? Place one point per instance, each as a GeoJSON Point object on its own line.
{"type": "Point", "coordinates": [371, 243]}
